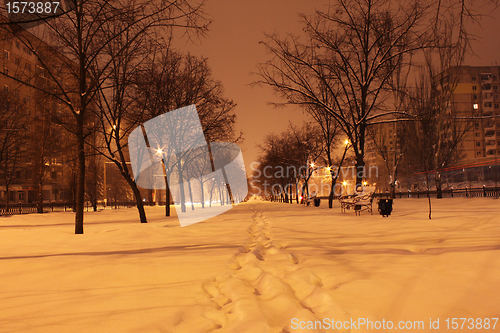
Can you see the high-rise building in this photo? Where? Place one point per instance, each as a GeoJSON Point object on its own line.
{"type": "Point", "coordinates": [478, 91]}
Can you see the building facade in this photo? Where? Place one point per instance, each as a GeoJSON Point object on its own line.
{"type": "Point", "coordinates": [34, 159]}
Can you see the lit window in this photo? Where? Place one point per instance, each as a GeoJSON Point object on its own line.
{"type": "Point", "coordinates": [476, 106]}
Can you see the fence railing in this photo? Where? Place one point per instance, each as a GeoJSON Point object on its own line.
{"type": "Point", "coordinates": [468, 192]}
{"type": "Point", "coordinates": [29, 208]}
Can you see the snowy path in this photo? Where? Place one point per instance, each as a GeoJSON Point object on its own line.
{"type": "Point", "coordinates": [265, 288]}
{"type": "Point", "coordinates": [252, 269]}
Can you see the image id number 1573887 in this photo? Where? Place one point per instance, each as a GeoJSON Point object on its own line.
{"type": "Point", "coordinates": [471, 323]}
{"type": "Point", "coordinates": [40, 7]}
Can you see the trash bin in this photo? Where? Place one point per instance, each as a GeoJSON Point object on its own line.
{"type": "Point", "coordinates": [385, 207]}
{"type": "Point", "coordinates": [317, 202]}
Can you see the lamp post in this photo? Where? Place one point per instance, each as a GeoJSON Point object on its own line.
{"type": "Point", "coordinates": [159, 152]}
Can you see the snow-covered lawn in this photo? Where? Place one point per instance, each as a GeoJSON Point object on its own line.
{"type": "Point", "coordinates": [252, 269]}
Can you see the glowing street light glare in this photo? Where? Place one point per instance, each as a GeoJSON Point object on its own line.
{"type": "Point", "coordinates": [365, 183]}
{"type": "Point", "coordinates": [159, 151]}
{"type": "Point", "coordinates": [344, 183]}
{"type": "Point", "coordinates": [114, 127]}
{"type": "Point", "coordinates": [312, 165]}
{"type": "Point", "coordinates": [328, 169]}
{"type": "Point", "coordinates": [346, 142]}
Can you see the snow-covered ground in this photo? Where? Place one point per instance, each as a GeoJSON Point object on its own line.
{"type": "Point", "coordinates": [261, 267]}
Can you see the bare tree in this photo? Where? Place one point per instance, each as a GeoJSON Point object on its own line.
{"type": "Point", "coordinates": [436, 135]}
{"type": "Point", "coordinates": [116, 108]}
{"type": "Point", "coordinates": [177, 80]}
{"type": "Point", "coordinates": [389, 142]}
{"type": "Point", "coordinates": [346, 62]}
{"type": "Point", "coordinates": [289, 158]}
{"type": "Point", "coordinates": [77, 43]}
{"type": "Point", "coordinates": [330, 131]}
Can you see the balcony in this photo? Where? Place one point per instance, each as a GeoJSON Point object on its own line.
{"type": "Point", "coordinates": [490, 152]}
{"type": "Point", "coordinates": [489, 134]}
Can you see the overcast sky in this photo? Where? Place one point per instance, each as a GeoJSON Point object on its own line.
{"type": "Point", "coordinates": [233, 50]}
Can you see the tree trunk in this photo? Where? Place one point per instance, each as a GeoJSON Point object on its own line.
{"type": "Point", "coordinates": [360, 170]}
{"type": "Point", "coordinates": [138, 200]}
{"type": "Point", "coordinates": [191, 195]}
{"type": "Point", "coordinates": [7, 196]}
{"type": "Point", "coordinates": [297, 191]}
{"type": "Point", "coordinates": [332, 191]}
{"type": "Point", "coordinates": [437, 179]}
{"type": "Point", "coordinates": [428, 195]}
{"type": "Point", "coordinates": [80, 179]}
{"type": "Point", "coordinates": [167, 199]}
{"type": "Point", "coordinates": [202, 194]}
{"type": "Point", "coordinates": [181, 188]}
{"type": "Point", "coordinates": [40, 197]}
{"type": "Point", "coordinates": [393, 190]}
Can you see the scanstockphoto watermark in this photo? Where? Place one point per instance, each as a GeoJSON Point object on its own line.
{"type": "Point", "coordinates": [360, 324]}
{"type": "Point", "coordinates": [275, 180]}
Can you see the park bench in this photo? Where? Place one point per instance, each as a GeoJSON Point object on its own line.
{"type": "Point", "coordinates": [310, 198]}
{"type": "Point", "coordinates": [358, 202]}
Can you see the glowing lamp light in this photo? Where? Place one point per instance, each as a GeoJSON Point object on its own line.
{"type": "Point", "coordinates": [312, 165]}
{"type": "Point", "coordinates": [365, 183]}
{"type": "Point", "coordinates": [346, 142]}
{"type": "Point", "coordinates": [344, 183]}
{"type": "Point", "coordinates": [159, 151]}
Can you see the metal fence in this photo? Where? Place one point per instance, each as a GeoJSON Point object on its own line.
{"type": "Point", "coordinates": [25, 208]}
{"type": "Point", "coordinates": [468, 192]}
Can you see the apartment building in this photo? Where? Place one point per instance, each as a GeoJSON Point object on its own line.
{"type": "Point", "coordinates": [478, 90]}
{"type": "Point", "coordinates": [35, 163]}
{"type": "Point", "coordinates": [477, 93]}
{"type": "Point", "coordinates": [475, 103]}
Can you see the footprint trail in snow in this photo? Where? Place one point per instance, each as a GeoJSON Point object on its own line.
{"type": "Point", "coordinates": [265, 288]}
